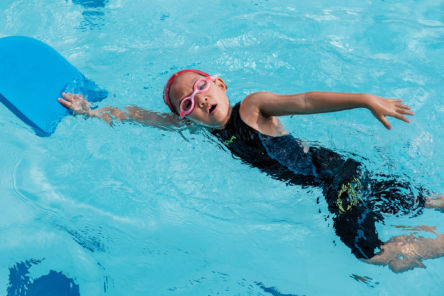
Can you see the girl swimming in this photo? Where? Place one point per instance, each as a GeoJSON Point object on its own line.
{"type": "Point", "coordinates": [251, 130]}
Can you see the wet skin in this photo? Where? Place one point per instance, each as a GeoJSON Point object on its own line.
{"type": "Point", "coordinates": [216, 98]}
{"type": "Point", "coordinates": [260, 111]}
{"type": "Point", "coordinates": [212, 107]}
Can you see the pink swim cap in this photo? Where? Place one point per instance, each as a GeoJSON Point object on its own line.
{"type": "Point", "coordinates": [166, 89]}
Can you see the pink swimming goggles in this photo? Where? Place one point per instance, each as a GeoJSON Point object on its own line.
{"type": "Point", "coordinates": [188, 103]}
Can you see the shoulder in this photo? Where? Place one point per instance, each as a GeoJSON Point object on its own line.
{"type": "Point", "coordinates": [249, 109]}
{"type": "Point", "coordinates": [250, 112]}
{"type": "Point", "coordinates": [258, 99]}
{"type": "Point", "coordinates": [253, 103]}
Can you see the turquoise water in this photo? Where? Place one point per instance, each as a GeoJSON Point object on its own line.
{"type": "Point", "coordinates": [134, 210]}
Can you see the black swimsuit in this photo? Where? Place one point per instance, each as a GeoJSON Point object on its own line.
{"type": "Point", "coordinates": [356, 200]}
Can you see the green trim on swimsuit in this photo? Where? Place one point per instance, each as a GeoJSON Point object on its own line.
{"type": "Point", "coordinates": [350, 188]}
{"type": "Point", "coordinates": [228, 142]}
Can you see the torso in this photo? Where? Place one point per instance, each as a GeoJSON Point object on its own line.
{"type": "Point", "coordinates": [264, 143]}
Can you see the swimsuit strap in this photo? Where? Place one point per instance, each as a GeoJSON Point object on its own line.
{"type": "Point", "coordinates": [237, 129]}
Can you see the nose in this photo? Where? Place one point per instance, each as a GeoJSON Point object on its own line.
{"type": "Point", "coordinates": [201, 100]}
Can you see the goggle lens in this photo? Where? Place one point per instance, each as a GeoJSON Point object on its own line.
{"type": "Point", "coordinates": [187, 105]}
{"type": "Point", "coordinates": [200, 86]}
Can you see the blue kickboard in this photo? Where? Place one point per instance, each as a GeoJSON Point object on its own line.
{"type": "Point", "coordinates": [32, 76]}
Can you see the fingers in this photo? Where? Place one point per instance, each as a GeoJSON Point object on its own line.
{"type": "Point", "coordinates": [393, 108]}
{"type": "Point", "coordinates": [385, 122]}
{"type": "Point", "coordinates": [74, 102]}
{"type": "Point", "coordinates": [398, 104]}
{"type": "Point", "coordinates": [397, 115]}
{"type": "Point", "coordinates": [71, 97]}
{"type": "Point", "coordinates": [401, 117]}
{"type": "Point", "coordinates": [403, 108]}
{"type": "Point", "coordinates": [403, 111]}
{"type": "Point", "coordinates": [67, 96]}
{"type": "Point", "coordinates": [64, 103]}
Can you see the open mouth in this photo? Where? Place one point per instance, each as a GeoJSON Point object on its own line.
{"type": "Point", "coordinates": [212, 108]}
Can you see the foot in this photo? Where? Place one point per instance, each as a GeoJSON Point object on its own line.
{"type": "Point", "coordinates": [405, 252]}
{"type": "Point", "coordinates": [435, 202]}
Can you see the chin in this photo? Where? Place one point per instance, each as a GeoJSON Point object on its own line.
{"type": "Point", "coordinates": [204, 123]}
{"type": "Point", "coordinates": [213, 124]}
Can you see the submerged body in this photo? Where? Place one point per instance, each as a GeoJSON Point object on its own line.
{"type": "Point", "coordinates": [252, 131]}
{"type": "Point", "coordinates": [356, 200]}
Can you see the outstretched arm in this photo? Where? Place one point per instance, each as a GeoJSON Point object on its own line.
{"type": "Point", "coordinates": [79, 105]}
{"type": "Point", "coordinates": [270, 104]}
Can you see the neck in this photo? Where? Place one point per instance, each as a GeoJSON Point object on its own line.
{"type": "Point", "coordinates": [225, 121]}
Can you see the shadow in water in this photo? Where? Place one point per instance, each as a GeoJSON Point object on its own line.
{"type": "Point", "coordinates": [91, 3]}
{"type": "Point", "coordinates": [93, 14]}
{"type": "Point", "coordinates": [272, 290]}
{"type": "Point", "coordinates": [54, 283]}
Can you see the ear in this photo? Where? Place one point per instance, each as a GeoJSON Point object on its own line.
{"type": "Point", "coordinates": [220, 83]}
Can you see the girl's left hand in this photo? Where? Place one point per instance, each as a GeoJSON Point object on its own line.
{"type": "Point", "coordinates": [76, 103]}
{"type": "Point", "coordinates": [382, 107]}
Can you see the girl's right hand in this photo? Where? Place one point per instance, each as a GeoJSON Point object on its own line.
{"type": "Point", "coordinates": [382, 107]}
{"type": "Point", "coordinates": [76, 103]}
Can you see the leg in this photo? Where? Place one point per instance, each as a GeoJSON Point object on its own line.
{"type": "Point", "coordinates": [396, 195]}
{"type": "Point", "coordinates": [356, 226]}
{"type": "Point", "coordinates": [356, 229]}
{"type": "Point", "coordinates": [405, 252]}
{"type": "Point", "coordinates": [354, 219]}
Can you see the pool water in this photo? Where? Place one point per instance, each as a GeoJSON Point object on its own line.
{"type": "Point", "coordinates": [133, 210]}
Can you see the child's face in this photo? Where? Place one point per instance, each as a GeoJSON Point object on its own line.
{"type": "Point", "coordinates": [211, 107]}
